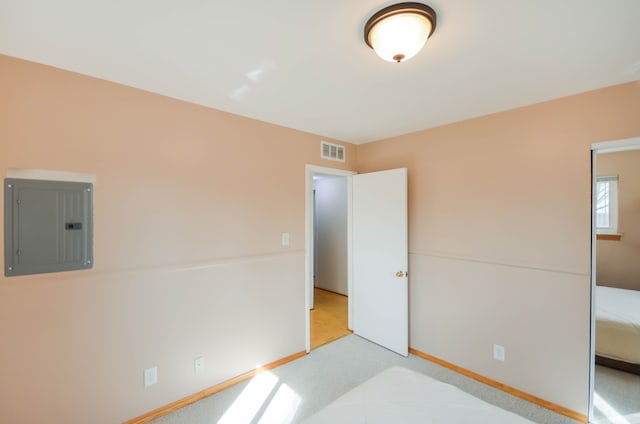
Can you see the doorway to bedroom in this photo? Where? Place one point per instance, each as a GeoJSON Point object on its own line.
{"type": "Point", "coordinates": [616, 283]}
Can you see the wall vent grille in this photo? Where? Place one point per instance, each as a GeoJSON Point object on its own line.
{"type": "Point", "coordinates": [332, 151]}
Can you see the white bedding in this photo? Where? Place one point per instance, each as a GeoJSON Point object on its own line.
{"type": "Point", "coordinates": [618, 324]}
{"type": "Point", "coordinates": [398, 395]}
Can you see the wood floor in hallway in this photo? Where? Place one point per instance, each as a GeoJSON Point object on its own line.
{"type": "Point", "coordinates": [329, 317]}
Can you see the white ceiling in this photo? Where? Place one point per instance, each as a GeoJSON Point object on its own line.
{"type": "Point", "coordinates": [304, 64]}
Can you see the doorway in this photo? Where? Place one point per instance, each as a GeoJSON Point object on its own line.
{"type": "Point", "coordinates": [329, 311]}
{"type": "Point", "coordinates": [377, 255]}
{"type": "Point", "coordinates": [615, 281]}
{"type": "Point", "coordinates": [323, 186]}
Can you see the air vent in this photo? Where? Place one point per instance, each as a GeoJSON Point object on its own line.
{"type": "Point", "coordinates": [331, 151]}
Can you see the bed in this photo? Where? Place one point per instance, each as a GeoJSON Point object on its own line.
{"type": "Point", "coordinates": [398, 395]}
{"type": "Point", "coordinates": [618, 328]}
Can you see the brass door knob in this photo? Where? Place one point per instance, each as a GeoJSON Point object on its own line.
{"type": "Point", "coordinates": [401, 274]}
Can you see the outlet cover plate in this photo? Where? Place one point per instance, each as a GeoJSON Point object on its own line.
{"type": "Point", "coordinates": [150, 376]}
{"type": "Point", "coordinates": [198, 364]}
{"type": "Point", "coordinates": [498, 352]}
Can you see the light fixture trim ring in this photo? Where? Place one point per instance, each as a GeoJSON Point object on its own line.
{"type": "Point", "coordinates": [396, 9]}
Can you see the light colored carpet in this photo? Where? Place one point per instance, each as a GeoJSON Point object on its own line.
{"type": "Point", "coordinates": [616, 397]}
{"type": "Point", "coordinates": [296, 390]}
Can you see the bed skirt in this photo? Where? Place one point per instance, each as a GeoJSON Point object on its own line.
{"type": "Point", "coordinates": [619, 365]}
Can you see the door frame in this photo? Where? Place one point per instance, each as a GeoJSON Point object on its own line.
{"type": "Point", "coordinates": [310, 171]}
{"type": "Point", "coordinates": [596, 149]}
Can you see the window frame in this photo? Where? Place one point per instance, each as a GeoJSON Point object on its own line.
{"type": "Point", "coordinates": [612, 228]}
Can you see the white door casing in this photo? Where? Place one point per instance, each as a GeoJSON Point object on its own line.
{"type": "Point", "coordinates": [380, 259]}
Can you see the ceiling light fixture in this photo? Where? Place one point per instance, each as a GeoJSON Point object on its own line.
{"type": "Point", "coordinates": [398, 32]}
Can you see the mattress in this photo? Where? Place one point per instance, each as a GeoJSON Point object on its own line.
{"type": "Point", "coordinates": [398, 395]}
{"type": "Point", "coordinates": [618, 324]}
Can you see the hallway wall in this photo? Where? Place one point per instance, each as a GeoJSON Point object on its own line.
{"type": "Point", "coordinates": [331, 234]}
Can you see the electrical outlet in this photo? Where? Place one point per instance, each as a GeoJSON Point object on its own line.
{"type": "Point", "coordinates": [198, 364]}
{"type": "Point", "coordinates": [498, 352]}
{"type": "Point", "coordinates": [150, 376]}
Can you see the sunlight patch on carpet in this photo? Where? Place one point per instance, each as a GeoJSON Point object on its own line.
{"type": "Point", "coordinates": [607, 410]}
{"type": "Point", "coordinates": [279, 408]}
{"type": "Point", "coordinates": [282, 409]}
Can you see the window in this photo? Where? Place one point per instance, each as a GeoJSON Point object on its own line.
{"type": "Point", "coordinates": [607, 205]}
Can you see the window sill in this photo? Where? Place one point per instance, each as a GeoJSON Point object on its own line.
{"type": "Point", "coordinates": [609, 236]}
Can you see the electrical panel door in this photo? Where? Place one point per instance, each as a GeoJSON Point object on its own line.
{"type": "Point", "coordinates": [48, 226]}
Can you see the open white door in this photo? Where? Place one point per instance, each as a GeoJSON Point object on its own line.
{"type": "Point", "coordinates": [380, 259]}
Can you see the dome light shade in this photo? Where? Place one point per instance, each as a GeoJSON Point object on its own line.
{"type": "Point", "coordinates": [397, 33]}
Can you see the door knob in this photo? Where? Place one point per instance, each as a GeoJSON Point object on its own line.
{"type": "Point", "coordinates": [401, 274]}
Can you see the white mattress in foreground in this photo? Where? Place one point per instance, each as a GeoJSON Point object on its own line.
{"type": "Point", "coordinates": [398, 395]}
{"type": "Point", "coordinates": [618, 324]}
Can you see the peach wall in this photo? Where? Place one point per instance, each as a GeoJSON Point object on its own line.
{"type": "Point", "coordinates": [499, 237]}
{"type": "Point", "coordinates": [189, 205]}
{"type": "Point", "coordinates": [617, 261]}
